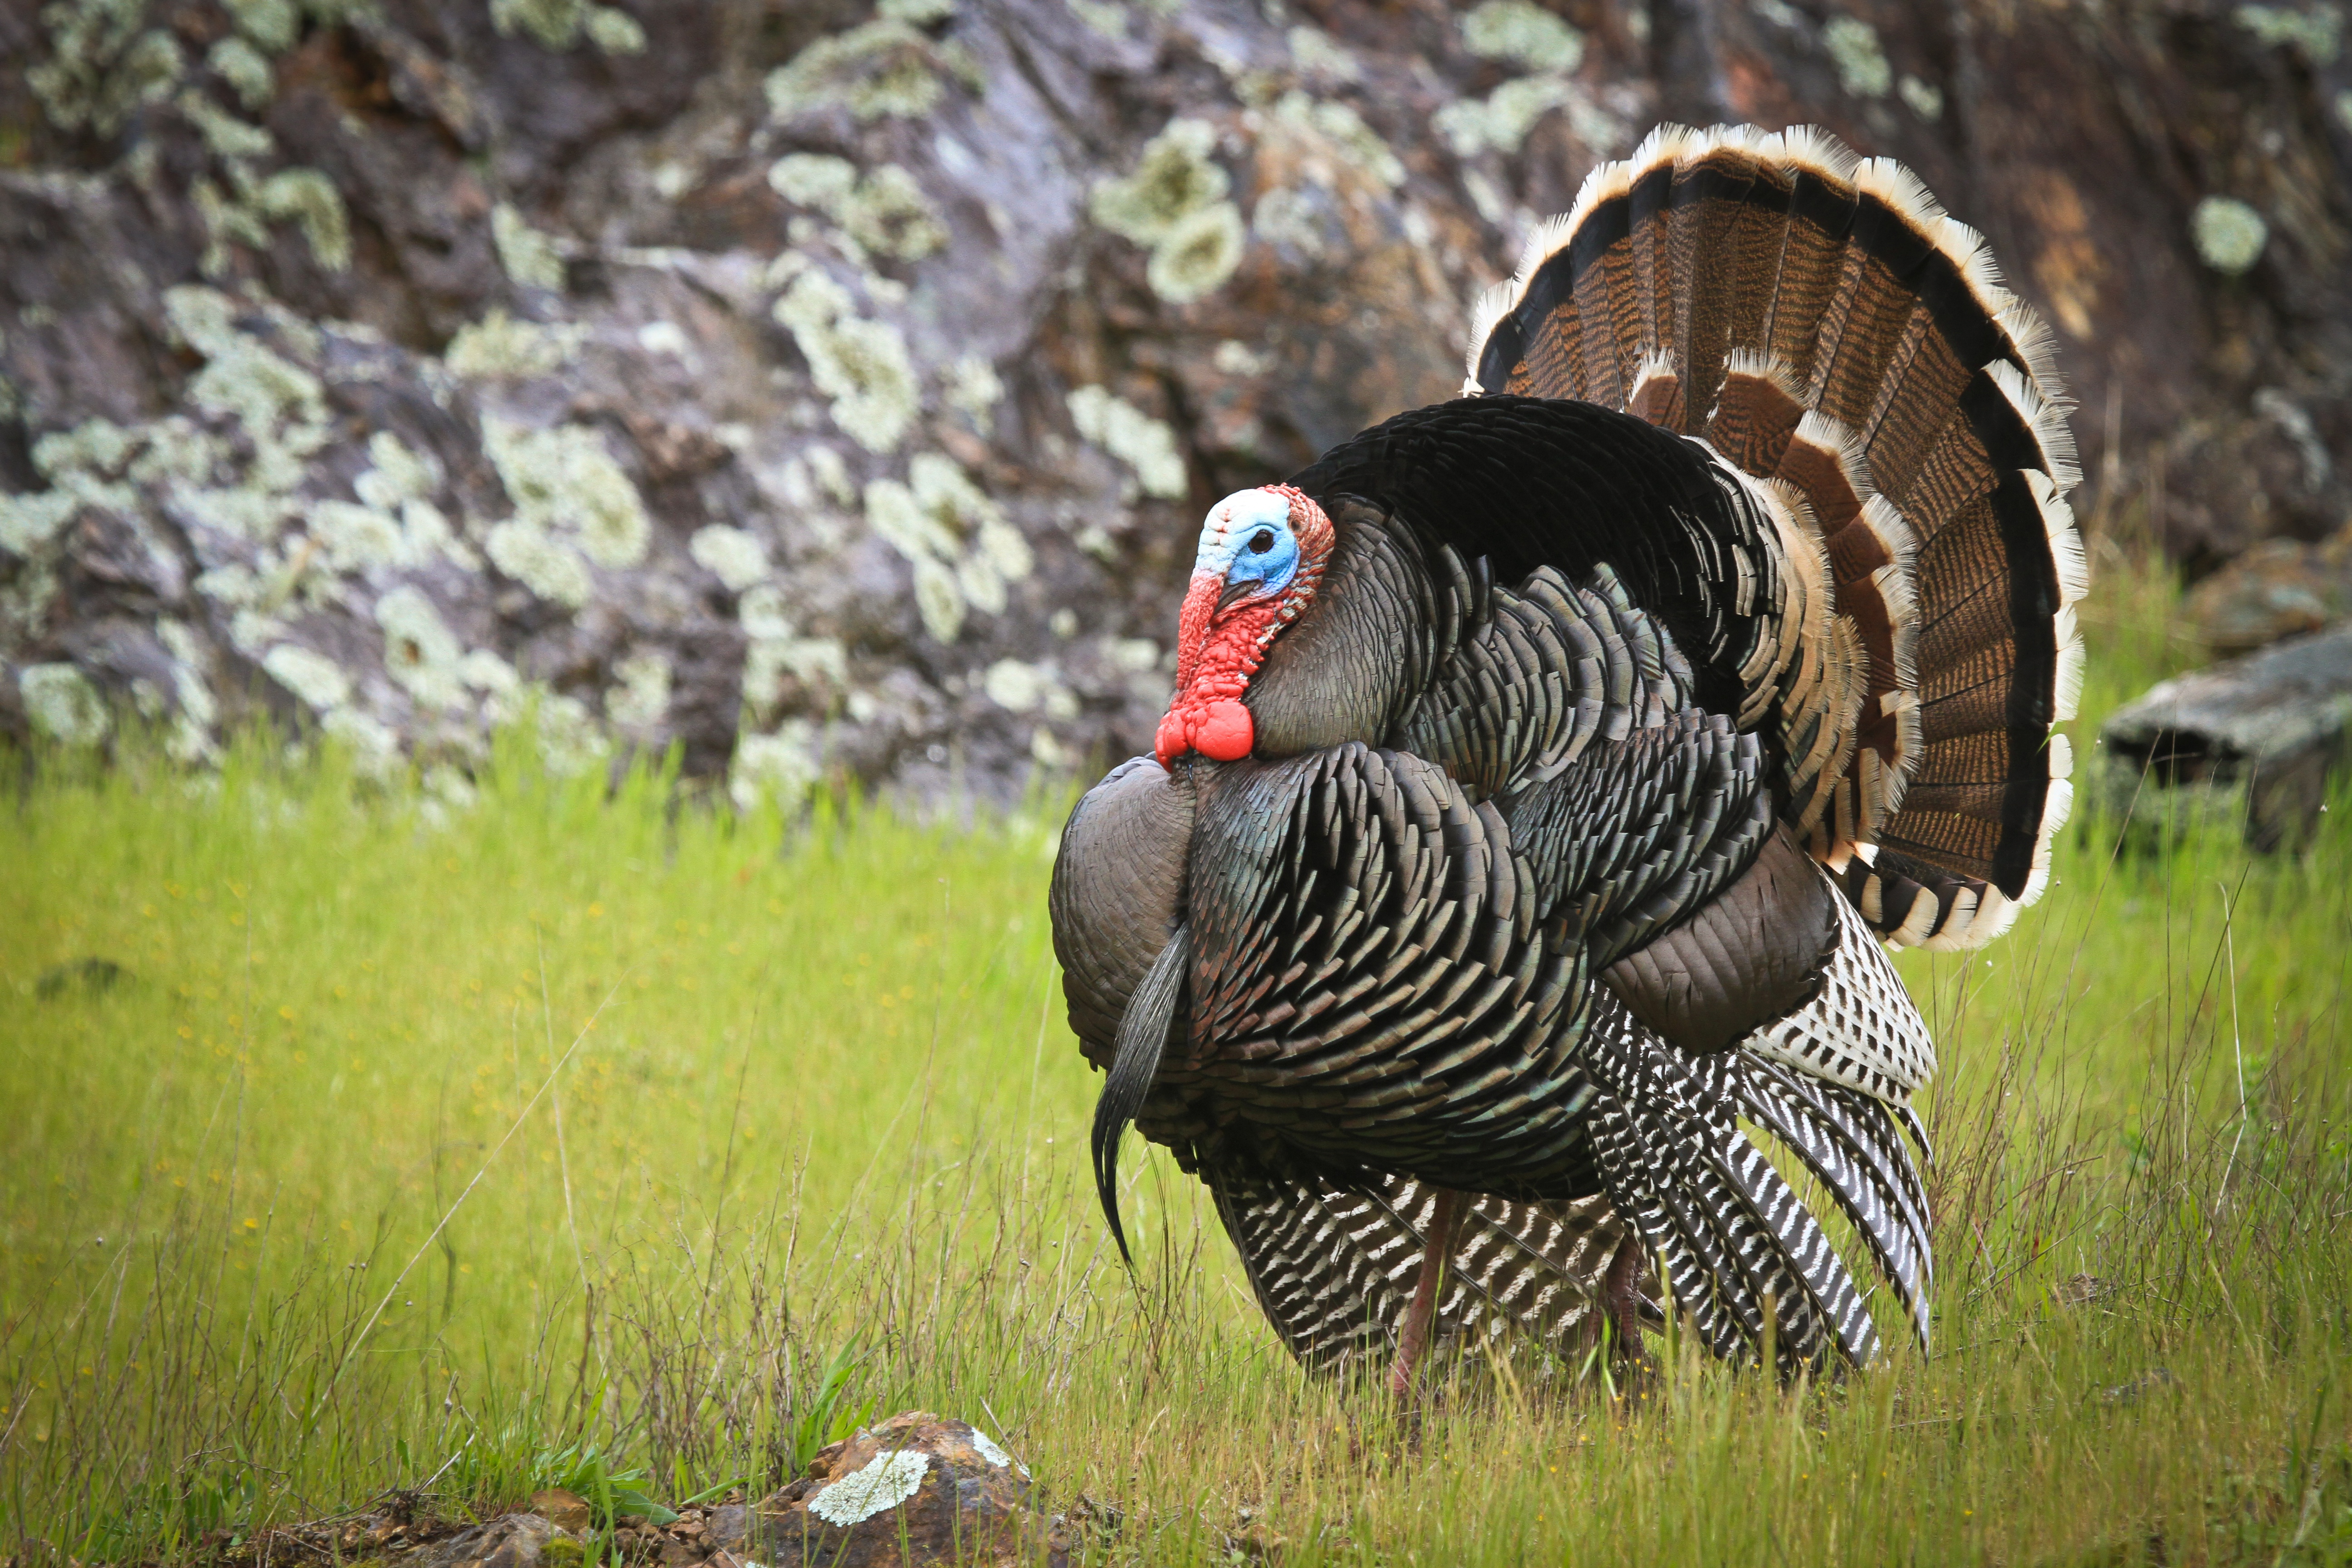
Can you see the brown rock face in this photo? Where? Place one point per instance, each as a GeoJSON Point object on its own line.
{"type": "Point", "coordinates": [915, 1490]}
{"type": "Point", "coordinates": [565, 1510]}
{"type": "Point", "coordinates": [832, 391]}
{"type": "Point", "coordinates": [516, 1541]}
{"type": "Point", "coordinates": [2280, 588]}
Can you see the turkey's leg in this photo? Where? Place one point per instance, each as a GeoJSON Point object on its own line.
{"type": "Point", "coordinates": [1621, 1290]}
{"type": "Point", "coordinates": [1437, 1252]}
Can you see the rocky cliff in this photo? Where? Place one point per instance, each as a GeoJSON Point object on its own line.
{"type": "Point", "coordinates": [832, 390]}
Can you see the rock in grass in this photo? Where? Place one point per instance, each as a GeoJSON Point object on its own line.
{"type": "Point", "coordinates": [2280, 588]}
{"type": "Point", "coordinates": [516, 1541]}
{"type": "Point", "coordinates": [563, 1509]}
{"type": "Point", "coordinates": [2254, 741]}
{"type": "Point", "coordinates": [912, 1490]}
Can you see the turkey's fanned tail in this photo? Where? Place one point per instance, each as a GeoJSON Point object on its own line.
{"type": "Point", "coordinates": [1848, 351]}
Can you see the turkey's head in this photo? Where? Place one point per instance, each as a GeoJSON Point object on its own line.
{"type": "Point", "coordinates": [1262, 554]}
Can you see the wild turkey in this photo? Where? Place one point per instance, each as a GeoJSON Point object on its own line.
{"type": "Point", "coordinates": [1547, 766]}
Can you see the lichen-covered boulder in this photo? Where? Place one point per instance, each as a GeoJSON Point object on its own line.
{"type": "Point", "coordinates": [914, 1489]}
{"type": "Point", "coordinates": [834, 388]}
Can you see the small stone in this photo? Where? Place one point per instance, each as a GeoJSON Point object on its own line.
{"type": "Point", "coordinates": [723, 1527]}
{"type": "Point", "coordinates": [516, 1541]}
{"type": "Point", "coordinates": [566, 1511]}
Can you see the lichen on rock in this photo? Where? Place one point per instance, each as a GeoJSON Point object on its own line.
{"type": "Point", "coordinates": [883, 68]}
{"type": "Point", "coordinates": [2231, 235]}
{"type": "Point", "coordinates": [1854, 50]}
{"type": "Point", "coordinates": [503, 345]}
{"type": "Point", "coordinates": [861, 364]}
{"type": "Point", "coordinates": [559, 23]}
{"type": "Point", "coordinates": [63, 704]}
{"type": "Point", "coordinates": [1144, 444]}
{"type": "Point", "coordinates": [1173, 179]}
{"type": "Point", "coordinates": [885, 211]}
{"type": "Point", "coordinates": [1524, 34]}
{"type": "Point", "coordinates": [564, 484]}
{"type": "Point", "coordinates": [529, 256]}
{"type": "Point", "coordinates": [311, 199]}
{"type": "Point", "coordinates": [734, 555]}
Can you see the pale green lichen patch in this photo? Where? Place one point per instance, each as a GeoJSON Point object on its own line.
{"type": "Point", "coordinates": [1524, 34]}
{"type": "Point", "coordinates": [102, 66]}
{"type": "Point", "coordinates": [63, 705]}
{"type": "Point", "coordinates": [733, 555]}
{"type": "Point", "coordinates": [1198, 255]}
{"type": "Point", "coordinates": [812, 180]}
{"type": "Point", "coordinates": [397, 474]}
{"type": "Point", "coordinates": [1174, 178]}
{"type": "Point", "coordinates": [1018, 686]}
{"type": "Point", "coordinates": [780, 766]}
{"type": "Point", "coordinates": [225, 136]}
{"type": "Point", "coordinates": [272, 24]}
{"type": "Point", "coordinates": [355, 538]}
{"type": "Point", "coordinates": [972, 385]}
{"type": "Point", "coordinates": [1926, 99]}
{"type": "Point", "coordinates": [559, 23]}
{"type": "Point", "coordinates": [774, 650]}
{"type": "Point", "coordinates": [29, 521]}
{"type": "Point", "coordinates": [529, 258]}
{"type": "Point", "coordinates": [311, 199]}
{"type": "Point", "coordinates": [502, 345]}
{"type": "Point", "coordinates": [885, 211]}
{"type": "Point", "coordinates": [246, 70]}
{"type": "Point", "coordinates": [318, 681]}
{"type": "Point", "coordinates": [280, 405]}
{"type": "Point", "coordinates": [1143, 442]}
{"type": "Point", "coordinates": [886, 67]}
{"type": "Point", "coordinates": [2316, 32]}
{"type": "Point", "coordinates": [226, 219]}
{"type": "Point", "coordinates": [1173, 202]}
{"type": "Point", "coordinates": [1317, 53]}
{"type": "Point", "coordinates": [420, 652]}
{"type": "Point", "coordinates": [1854, 51]}
{"type": "Point", "coordinates": [2229, 235]}
{"type": "Point", "coordinates": [563, 480]}
{"type": "Point", "coordinates": [860, 365]}
{"type": "Point", "coordinates": [963, 551]}
{"type": "Point", "coordinates": [1502, 120]}
{"type": "Point", "coordinates": [639, 698]}
{"type": "Point", "coordinates": [1357, 143]}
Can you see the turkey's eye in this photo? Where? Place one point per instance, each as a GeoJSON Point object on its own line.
{"type": "Point", "coordinates": [1261, 541]}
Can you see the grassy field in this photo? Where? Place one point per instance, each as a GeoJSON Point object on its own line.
{"type": "Point", "coordinates": [428, 1146]}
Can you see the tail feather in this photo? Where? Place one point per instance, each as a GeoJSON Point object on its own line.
{"type": "Point", "coordinates": [1826, 327]}
{"type": "Point", "coordinates": [1846, 1147]}
{"type": "Point", "coordinates": [1334, 1267]}
{"type": "Point", "coordinates": [1738, 1244]}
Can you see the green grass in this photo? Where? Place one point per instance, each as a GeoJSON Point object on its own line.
{"type": "Point", "coordinates": [477, 1149]}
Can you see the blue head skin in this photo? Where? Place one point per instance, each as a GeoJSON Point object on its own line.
{"type": "Point", "coordinates": [1248, 547]}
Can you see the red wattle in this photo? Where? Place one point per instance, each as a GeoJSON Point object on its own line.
{"type": "Point", "coordinates": [1224, 731]}
{"type": "Point", "coordinates": [1170, 743]}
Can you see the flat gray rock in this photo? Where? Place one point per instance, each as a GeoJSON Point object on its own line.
{"type": "Point", "coordinates": [2257, 738]}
